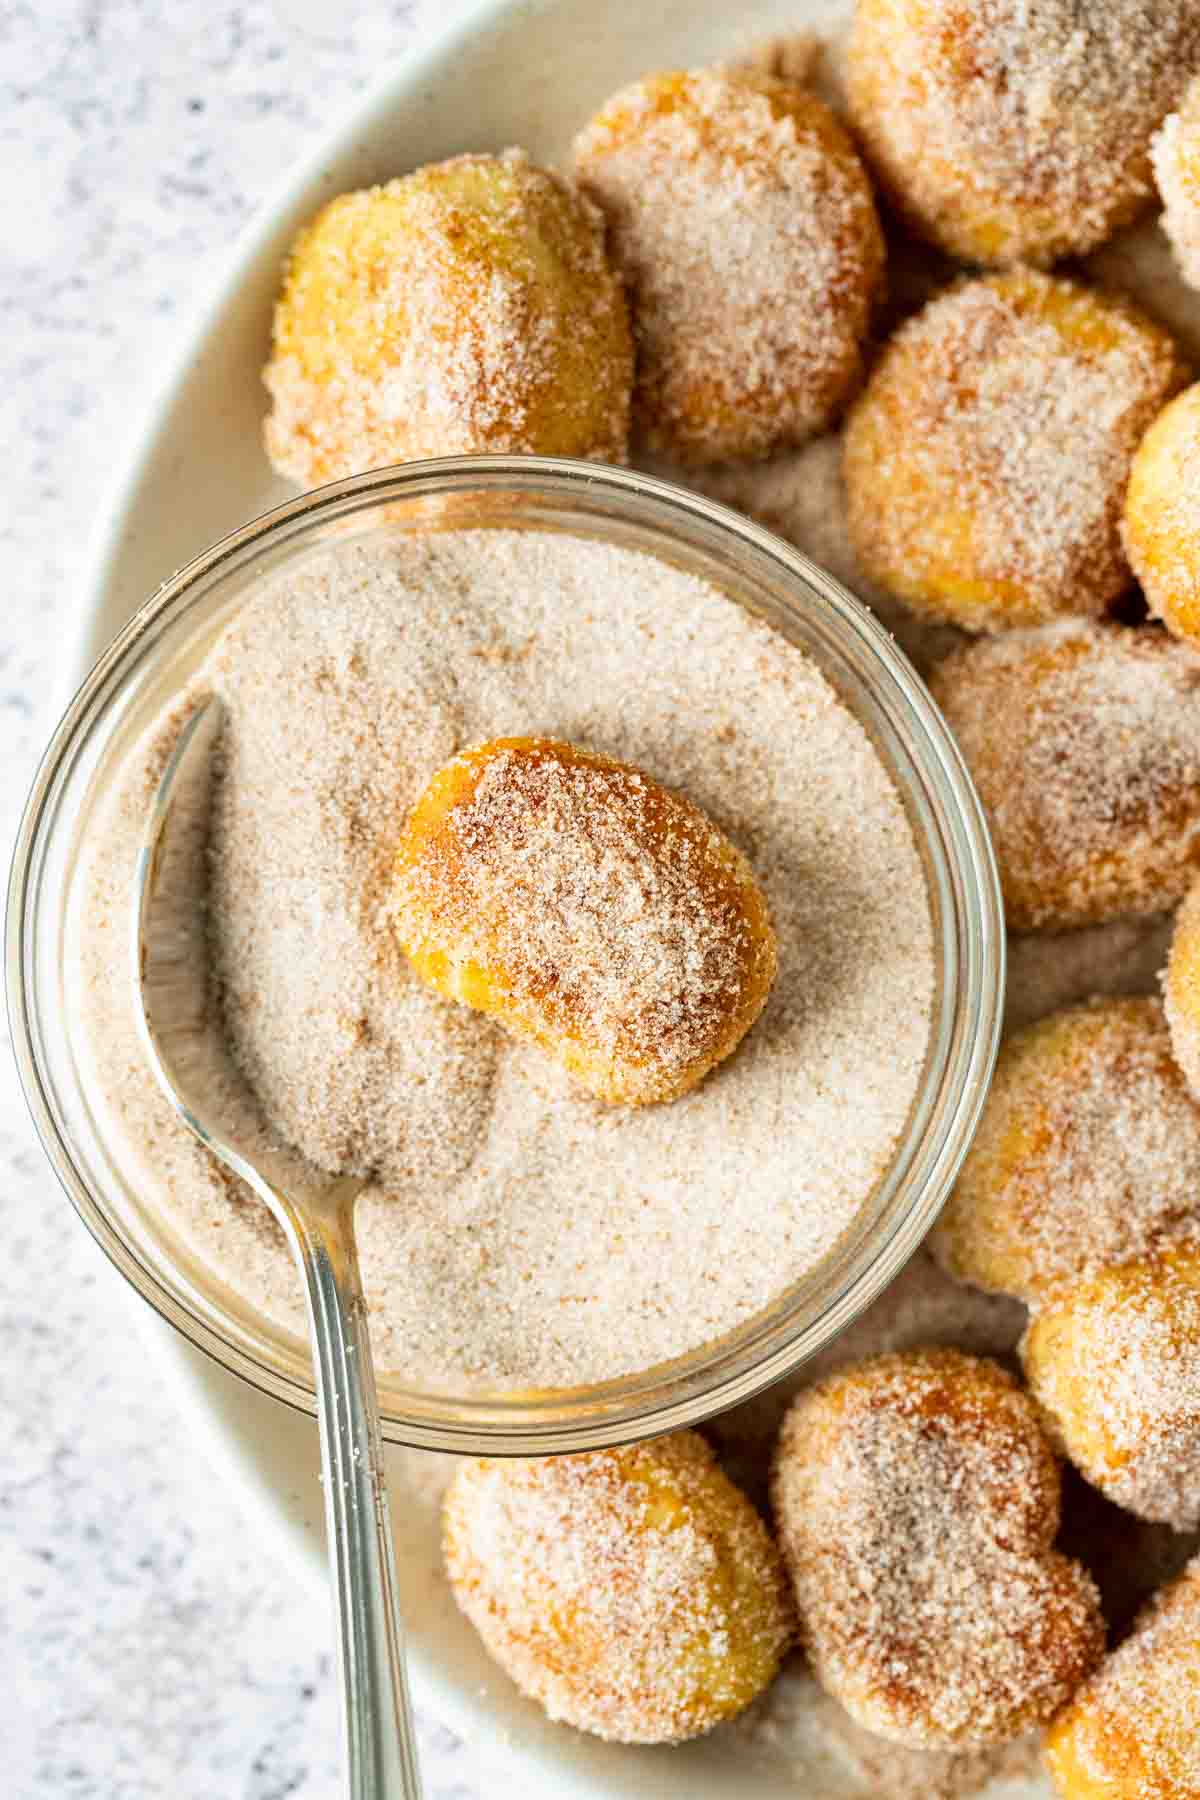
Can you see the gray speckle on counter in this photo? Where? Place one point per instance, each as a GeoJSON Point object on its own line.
{"type": "Point", "coordinates": [151, 1642]}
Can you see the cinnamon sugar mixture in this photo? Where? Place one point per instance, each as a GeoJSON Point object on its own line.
{"type": "Point", "coordinates": [801, 495]}
{"type": "Point", "coordinates": [513, 1231]}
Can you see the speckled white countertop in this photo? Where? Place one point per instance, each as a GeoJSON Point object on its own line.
{"type": "Point", "coordinates": [151, 1643]}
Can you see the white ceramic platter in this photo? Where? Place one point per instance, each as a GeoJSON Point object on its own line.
{"type": "Point", "coordinates": [527, 72]}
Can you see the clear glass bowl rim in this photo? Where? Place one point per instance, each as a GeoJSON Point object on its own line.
{"type": "Point", "coordinates": [554, 1422]}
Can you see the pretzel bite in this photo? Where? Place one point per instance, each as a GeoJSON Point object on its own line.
{"type": "Point", "coordinates": [1114, 1362]}
{"type": "Point", "coordinates": [1009, 133]}
{"type": "Point", "coordinates": [588, 909]}
{"type": "Point", "coordinates": [633, 1593]}
{"type": "Point", "coordinates": [987, 457]}
{"type": "Point", "coordinates": [466, 308]}
{"type": "Point", "coordinates": [917, 1499]}
{"type": "Point", "coordinates": [746, 229]}
{"type": "Point", "coordinates": [1175, 154]}
{"type": "Point", "coordinates": [1162, 515]}
{"type": "Point", "coordinates": [1084, 742]}
{"type": "Point", "coordinates": [1087, 1155]}
{"type": "Point", "coordinates": [1131, 1733]}
{"type": "Point", "coordinates": [1181, 988]}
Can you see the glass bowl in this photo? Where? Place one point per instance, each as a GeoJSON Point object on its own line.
{"type": "Point", "coordinates": [150, 660]}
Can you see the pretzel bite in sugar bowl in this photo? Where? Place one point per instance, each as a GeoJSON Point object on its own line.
{"type": "Point", "coordinates": [917, 1500]}
{"type": "Point", "coordinates": [587, 909]}
{"type": "Point", "coordinates": [1010, 133]}
{"type": "Point", "coordinates": [1083, 739]}
{"type": "Point", "coordinates": [987, 457]}
{"type": "Point", "coordinates": [633, 1593]}
{"type": "Point", "coordinates": [745, 226]}
{"type": "Point", "coordinates": [466, 308]}
{"type": "Point", "coordinates": [1114, 1363]}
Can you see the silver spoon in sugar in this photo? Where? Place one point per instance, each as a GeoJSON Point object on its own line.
{"type": "Point", "coordinates": [187, 1054]}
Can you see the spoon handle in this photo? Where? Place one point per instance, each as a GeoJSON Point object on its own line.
{"type": "Point", "coordinates": [380, 1742]}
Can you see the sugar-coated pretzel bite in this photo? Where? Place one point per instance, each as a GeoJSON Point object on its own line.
{"type": "Point", "coordinates": [1162, 515]}
{"type": "Point", "coordinates": [986, 459]}
{"type": "Point", "coordinates": [1087, 1155]}
{"type": "Point", "coordinates": [466, 308]}
{"type": "Point", "coordinates": [1010, 133]}
{"type": "Point", "coordinates": [1083, 739]}
{"type": "Point", "coordinates": [917, 1501]}
{"type": "Point", "coordinates": [1175, 154]}
{"type": "Point", "coordinates": [745, 226]}
{"type": "Point", "coordinates": [588, 909]}
{"type": "Point", "coordinates": [1114, 1363]}
{"type": "Point", "coordinates": [1181, 988]}
{"type": "Point", "coordinates": [634, 1593]}
{"type": "Point", "coordinates": [1133, 1730]}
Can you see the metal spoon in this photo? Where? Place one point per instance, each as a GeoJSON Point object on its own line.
{"type": "Point", "coordinates": [187, 1054]}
